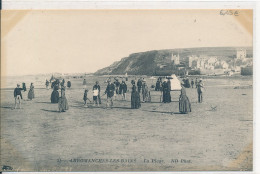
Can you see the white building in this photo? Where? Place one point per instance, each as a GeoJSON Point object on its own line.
{"type": "Point", "coordinates": [176, 59]}
{"type": "Point", "coordinates": [241, 54]}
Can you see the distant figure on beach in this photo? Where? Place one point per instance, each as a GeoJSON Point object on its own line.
{"type": "Point", "coordinates": [85, 83]}
{"type": "Point", "coordinates": [123, 89]}
{"type": "Point", "coordinates": [196, 82]}
{"type": "Point", "coordinates": [69, 84]}
{"type": "Point", "coordinates": [139, 84]}
{"type": "Point", "coordinates": [55, 94]}
{"type": "Point", "coordinates": [192, 83]}
{"type": "Point", "coordinates": [135, 97]}
{"type": "Point", "coordinates": [184, 103]}
{"type": "Point", "coordinates": [31, 92]}
{"type": "Point", "coordinates": [146, 92]}
{"type": "Point", "coordinates": [62, 83]}
{"type": "Point", "coordinates": [200, 90]}
{"type": "Point", "coordinates": [18, 96]}
{"type": "Point", "coordinates": [97, 86]}
{"type": "Point", "coordinates": [158, 85]}
{"type": "Point", "coordinates": [117, 85]}
{"type": "Point", "coordinates": [47, 83]}
{"type": "Point", "coordinates": [63, 103]}
{"type": "Point", "coordinates": [110, 93]}
{"type": "Point", "coordinates": [24, 86]}
{"type": "Point", "coordinates": [166, 88]}
{"type": "Point", "coordinates": [85, 96]}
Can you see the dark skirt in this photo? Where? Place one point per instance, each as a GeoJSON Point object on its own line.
{"type": "Point", "coordinates": [69, 84]}
{"type": "Point", "coordinates": [135, 100]}
{"type": "Point", "coordinates": [184, 104]}
{"type": "Point", "coordinates": [54, 96]}
{"type": "Point", "coordinates": [166, 96]}
{"type": "Point", "coordinates": [31, 94]}
{"type": "Point", "coordinates": [63, 104]}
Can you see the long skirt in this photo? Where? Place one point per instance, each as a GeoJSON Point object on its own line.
{"type": "Point", "coordinates": [31, 94]}
{"type": "Point", "coordinates": [146, 96]}
{"type": "Point", "coordinates": [135, 100]}
{"type": "Point", "coordinates": [184, 104]}
{"type": "Point", "coordinates": [63, 104]}
{"type": "Point", "coordinates": [54, 96]}
{"type": "Point", "coordinates": [166, 96]}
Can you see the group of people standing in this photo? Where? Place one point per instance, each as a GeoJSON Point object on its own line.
{"type": "Point", "coordinates": [113, 90]}
{"type": "Point", "coordinates": [59, 97]}
{"type": "Point", "coordinates": [165, 87]}
{"type": "Point", "coordinates": [140, 92]}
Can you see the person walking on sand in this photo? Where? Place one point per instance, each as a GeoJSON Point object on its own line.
{"type": "Point", "coordinates": [200, 90]}
{"type": "Point", "coordinates": [85, 96]}
{"type": "Point", "coordinates": [196, 82]}
{"type": "Point", "coordinates": [123, 90]}
{"type": "Point", "coordinates": [97, 86]}
{"type": "Point", "coordinates": [192, 83]}
{"type": "Point", "coordinates": [24, 86]}
{"type": "Point", "coordinates": [47, 83]}
{"type": "Point", "coordinates": [146, 92]}
{"type": "Point", "coordinates": [135, 97]}
{"type": "Point", "coordinates": [95, 96]}
{"type": "Point", "coordinates": [117, 85]}
{"type": "Point", "coordinates": [63, 103]}
{"type": "Point", "coordinates": [31, 92]}
{"type": "Point", "coordinates": [68, 84]}
{"type": "Point", "coordinates": [166, 92]}
{"type": "Point", "coordinates": [139, 84]}
{"type": "Point", "coordinates": [110, 90]}
{"type": "Point", "coordinates": [55, 94]}
{"type": "Point", "coordinates": [184, 103]}
{"type": "Point", "coordinates": [18, 96]}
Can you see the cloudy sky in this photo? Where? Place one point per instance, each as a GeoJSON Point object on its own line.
{"type": "Point", "coordinates": [36, 42]}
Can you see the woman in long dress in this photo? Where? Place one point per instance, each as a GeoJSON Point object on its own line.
{"type": "Point", "coordinates": [135, 97]}
{"type": "Point", "coordinates": [184, 103]}
{"type": "Point", "coordinates": [146, 93]}
{"type": "Point", "coordinates": [31, 92]}
{"type": "Point", "coordinates": [63, 103]}
{"type": "Point", "coordinates": [166, 89]}
{"type": "Point", "coordinates": [55, 94]}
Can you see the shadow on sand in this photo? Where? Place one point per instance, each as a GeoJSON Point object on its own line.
{"type": "Point", "coordinates": [46, 102]}
{"type": "Point", "coordinates": [50, 110]}
{"type": "Point", "coordinates": [7, 107]}
{"type": "Point", "coordinates": [122, 107]}
{"type": "Point", "coordinates": [163, 112]}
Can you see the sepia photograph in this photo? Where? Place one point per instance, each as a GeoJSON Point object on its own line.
{"type": "Point", "coordinates": [127, 90]}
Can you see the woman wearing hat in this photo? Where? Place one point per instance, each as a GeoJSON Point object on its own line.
{"type": "Point", "coordinates": [135, 97]}
{"type": "Point", "coordinates": [184, 103]}
{"type": "Point", "coordinates": [63, 103]}
{"type": "Point", "coordinates": [146, 92]}
{"type": "Point", "coordinates": [166, 88]}
{"type": "Point", "coordinates": [31, 92]}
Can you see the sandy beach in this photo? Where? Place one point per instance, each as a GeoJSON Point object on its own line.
{"type": "Point", "coordinates": [155, 137]}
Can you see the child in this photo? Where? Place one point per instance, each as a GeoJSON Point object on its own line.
{"type": "Point", "coordinates": [95, 96]}
{"type": "Point", "coordinates": [85, 97]}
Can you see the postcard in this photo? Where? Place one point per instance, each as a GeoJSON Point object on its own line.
{"type": "Point", "coordinates": [127, 90]}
